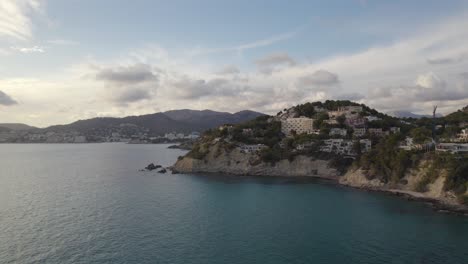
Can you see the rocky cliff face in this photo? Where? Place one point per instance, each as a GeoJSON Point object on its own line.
{"type": "Point", "coordinates": [219, 160]}
{"type": "Point", "coordinates": [408, 185]}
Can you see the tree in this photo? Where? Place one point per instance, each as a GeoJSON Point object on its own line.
{"type": "Point", "coordinates": [420, 134]}
{"type": "Point", "coordinates": [341, 120]}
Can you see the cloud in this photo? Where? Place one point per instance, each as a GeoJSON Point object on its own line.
{"type": "Point", "coordinates": [228, 70]}
{"type": "Point", "coordinates": [448, 60]}
{"type": "Point", "coordinates": [428, 89]}
{"type": "Point", "coordinates": [350, 96]}
{"type": "Point", "coordinates": [63, 42]}
{"type": "Point", "coordinates": [15, 18]}
{"type": "Point", "coordinates": [132, 95]}
{"type": "Point", "coordinates": [187, 88]}
{"type": "Point", "coordinates": [246, 46]}
{"type": "Point", "coordinates": [128, 84]}
{"type": "Point", "coordinates": [125, 75]}
{"type": "Point", "coordinates": [271, 62]}
{"type": "Point", "coordinates": [319, 78]}
{"type": "Point", "coordinates": [6, 100]}
{"type": "Point", "coordinates": [34, 49]}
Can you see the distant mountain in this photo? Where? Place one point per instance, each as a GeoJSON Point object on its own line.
{"type": "Point", "coordinates": [17, 126]}
{"type": "Point", "coordinates": [407, 114]}
{"type": "Point", "coordinates": [159, 123]}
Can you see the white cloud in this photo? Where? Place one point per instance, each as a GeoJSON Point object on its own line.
{"type": "Point", "coordinates": [15, 18]}
{"type": "Point", "coordinates": [390, 77]}
{"type": "Point", "coordinates": [63, 42]}
{"type": "Point", "coordinates": [34, 49]}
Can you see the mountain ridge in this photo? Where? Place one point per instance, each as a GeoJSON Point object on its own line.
{"type": "Point", "coordinates": [183, 120]}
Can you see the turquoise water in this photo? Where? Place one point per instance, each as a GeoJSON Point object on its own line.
{"type": "Point", "coordinates": [90, 204]}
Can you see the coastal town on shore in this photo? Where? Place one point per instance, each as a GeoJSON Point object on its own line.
{"type": "Point", "coordinates": [126, 133]}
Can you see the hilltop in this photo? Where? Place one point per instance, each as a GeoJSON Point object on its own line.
{"type": "Point", "coordinates": [347, 142]}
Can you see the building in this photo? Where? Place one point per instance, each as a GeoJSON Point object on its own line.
{"type": "Point", "coordinates": [408, 144]}
{"type": "Point", "coordinates": [170, 136]}
{"type": "Point", "coordinates": [338, 146]}
{"type": "Point", "coordinates": [366, 145]}
{"type": "Point", "coordinates": [348, 111]}
{"type": "Point", "coordinates": [463, 136]}
{"type": "Point", "coordinates": [452, 147]}
{"type": "Point", "coordinates": [378, 132]}
{"type": "Point", "coordinates": [228, 127]}
{"type": "Point", "coordinates": [359, 131]}
{"type": "Point", "coordinates": [394, 130]}
{"type": "Point", "coordinates": [372, 118]}
{"type": "Point", "coordinates": [308, 145]}
{"type": "Point", "coordinates": [300, 125]}
{"type": "Point", "coordinates": [351, 108]}
{"type": "Point", "coordinates": [338, 132]}
{"type": "Point", "coordinates": [194, 135]}
{"type": "Point", "coordinates": [319, 109]}
{"type": "Point", "coordinates": [356, 122]}
{"type": "Point", "coordinates": [251, 148]}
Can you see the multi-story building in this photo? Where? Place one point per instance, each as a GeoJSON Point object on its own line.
{"type": "Point", "coordinates": [359, 131]}
{"type": "Point", "coordinates": [378, 132]}
{"type": "Point", "coordinates": [338, 132]}
{"type": "Point", "coordinates": [300, 125]}
{"type": "Point", "coordinates": [356, 122]}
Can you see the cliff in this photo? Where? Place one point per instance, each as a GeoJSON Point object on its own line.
{"type": "Point", "coordinates": [409, 185]}
{"type": "Point", "coordinates": [221, 160]}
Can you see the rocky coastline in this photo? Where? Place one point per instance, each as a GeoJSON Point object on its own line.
{"type": "Point", "coordinates": [235, 162]}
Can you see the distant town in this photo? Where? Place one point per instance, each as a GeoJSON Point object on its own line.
{"type": "Point", "coordinates": [126, 133]}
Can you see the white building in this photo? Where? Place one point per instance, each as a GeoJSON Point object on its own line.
{"type": "Point", "coordinates": [170, 136]}
{"type": "Point", "coordinates": [378, 132]}
{"type": "Point", "coordinates": [452, 147]}
{"type": "Point", "coordinates": [338, 146]}
{"type": "Point", "coordinates": [372, 118]}
{"type": "Point", "coordinates": [344, 146]}
{"type": "Point", "coordinates": [338, 132]}
{"type": "Point", "coordinates": [300, 125]}
{"type": "Point", "coordinates": [359, 131]}
{"type": "Point", "coordinates": [463, 136]}
{"type": "Point", "coordinates": [394, 130]}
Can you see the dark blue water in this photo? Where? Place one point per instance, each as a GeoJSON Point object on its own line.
{"type": "Point", "coordinates": [89, 204]}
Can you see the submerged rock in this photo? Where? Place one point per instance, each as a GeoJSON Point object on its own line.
{"type": "Point", "coordinates": [162, 171]}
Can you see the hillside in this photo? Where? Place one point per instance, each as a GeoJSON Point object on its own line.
{"type": "Point", "coordinates": [17, 126]}
{"type": "Point", "coordinates": [159, 123]}
{"type": "Point", "coordinates": [342, 141]}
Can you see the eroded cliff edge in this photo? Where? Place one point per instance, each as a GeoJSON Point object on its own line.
{"type": "Point", "coordinates": [218, 159]}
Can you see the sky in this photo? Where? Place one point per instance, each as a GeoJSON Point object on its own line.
{"type": "Point", "coordinates": [65, 60]}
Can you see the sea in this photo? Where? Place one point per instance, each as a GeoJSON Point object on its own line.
{"type": "Point", "coordinates": [91, 203]}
